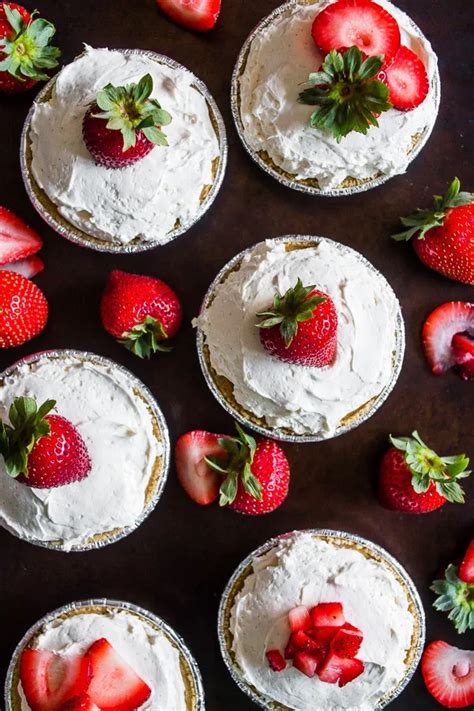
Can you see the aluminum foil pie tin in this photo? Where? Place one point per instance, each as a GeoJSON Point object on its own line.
{"type": "Point", "coordinates": [356, 185]}
{"type": "Point", "coordinates": [48, 211]}
{"type": "Point", "coordinates": [278, 433]}
{"type": "Point", "coordinates": [194, 689]}
{"type": "Point", "coordinates": [341, 538]}
{"type": "Point", "coordinates": [160, 472]}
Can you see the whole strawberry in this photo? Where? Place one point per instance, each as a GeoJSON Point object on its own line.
{"type": "Point", "coordinates": [456, 592]}
{"type": "Point", "coordinates": [23, 309]}
{"type": "Point", "coordinates": [124, 124]}
{"type": "Point", "coordinates": [301, 328]}
{"type": "Point", "coordinates": [257, 474]}
{"type": "Point", "coordinates": [25, 49]}
{"type": "Point", "coordinates": [445, 235]}
{"type": "Point", "coordinates": [41, 450]}
{"type": "Point", "coordinates": [414, 479]}
{"type": "Point", "coordinates": [141, 312]}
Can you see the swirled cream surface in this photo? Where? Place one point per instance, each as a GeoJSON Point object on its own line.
{"type": "Point", "coordinates": [117, 428]}
{"type": "Point", "coordinates": [146, 199]}
{"type": "Point", "coordinates": [148, 651]}
{"type": "Point", "coordinates": [306, 400]}
{"type": "Point", "coordinates": [302, 570]}
{"type": "Point", "coordinates": [281, 57]}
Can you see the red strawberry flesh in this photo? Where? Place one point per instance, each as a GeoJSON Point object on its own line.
{"type": "Point", "coordinates": [196, 477]}
{"type": "Point", "coordinates": [362, 23]}
{"type": "Point", "coordinates": [197, 15]}
{"type": "Point", "coordinates": [48, 679]}
{"type": "Point", "coordinates": [340, 670]}
{"type": "Point", "coordinates": [439, 330]}
{"type": "Point", "coordinates": [303, 642]}
{"type": "Point", "coordinates": [79, 703]}
{"type": "Point", "coordinates": [347, 641]}
{"type": "Point", "coordinates": [17, 240]}
{"type": "Point", "coordinates": [306, 663]}
{"type": "Point", "coordinates": [448, 673]}
{"type": "Point", "coordinates": [28, 267]}
{"type": "Point", "coordinates": [299, 618]}
{"type": "Point", "coordinates": [276, 660]}
{"type": "Point", "coordinates": [466, 569]}
{"type": "Point", "coordinates": [327, 614]}
{"type": "Point", "coordinates": [407, 80]}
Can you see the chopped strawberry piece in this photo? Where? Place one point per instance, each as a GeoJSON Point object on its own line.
{"type": "Point", "coordinates": [337, 669]}
{"type": "Point", "coordinates": [49, 679]}
{"type": "Point", "coordinates": [407, 80]}
{"type": "Point", "coordinates": [328, 614]}
{"type": "Point", "coordinates": [306, 662]}
{"type": "Point", "coordinates": [299, 618]}
{"type": "Point", "coordinates": [304, 643]}
{"type": "Point", "coordinates": [448, 673]}
{"type": "Point", "coordinates": [276, 660]}
{"type": "Point", "coordinates": [80, 703]}
{"type": "Point", "coordinates": [115, 686]}
{"type": "Point", "coordinates": [17, 240]}
{"type": "Point", "coordinates": [198, 15]}
{"type": "Point", "coordinates": [290, 650]}
{"type": "Point", "coordinates": [323, 635]}
{"type": "Point", "coordinates": [28, 267]}
{"type": "Point", "coordinates": [197, 478]}
{"type": "Point", "coordinates": [347, 641]}
{"type": "Point", "coordinates": [463, 353]}
{"type": "Point", "coordinates": [466, 569]}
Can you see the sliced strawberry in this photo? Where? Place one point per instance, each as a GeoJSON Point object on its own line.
{"type": "Point", "coordinates": [347, 640]}
{"type": "Point", "coordinates": [299, 618]}
{"type": "Point", "coordinates": [49, 679]}
{"type": "Point", "coordinates": [448, 673]}
{"type": "Point", "coordinates": [439, 329]}
{"type": "Point", "coordinates": [197, 478]}
{"type": "Point", "coordinates": [17, 240]}
{"type": "Point", "coordinates": [407, 80]}
{"type": "Point", "coordinates": [28, 267]}
{"type": "Point", "coordinates": [276, 660]}
{"type": "Point", "coordinates": [80, 703]}
{"type": "Point", "coordinates": [115, 686]}
{"type": "Point", "coordinates": [327, 614]}
{"type": "Point", "coordinates": [306, 662]}
{"type": "Point", "coordinates": [363, 23]}
{"type": "Point", "coordinates": [463, 353]}
{"type": "Point", "coordinates": [466, 569]}
{"type": "Point", "coordinates": [337, 669]}
{"type": "Point", "coordinates": [199, 15]}
{"type": "Point", "coordinates": [323, 635]}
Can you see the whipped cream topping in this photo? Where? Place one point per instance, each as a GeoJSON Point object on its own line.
{"type": "Point", "coordinates": [306, 400]}
{"type": "Point", "coordinates": [302, 570]}
{"type": "Point", "coordinates": [147, 650]}
{"type": "Point", "coordinates": [281, 57]}
{"type": "Point", "coordinates": [144, 200]}
{"type": "Point", "coordinates": [117, 428]}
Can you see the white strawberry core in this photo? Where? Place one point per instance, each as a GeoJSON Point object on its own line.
{"type": "Point", "coordinates": [461, 668]}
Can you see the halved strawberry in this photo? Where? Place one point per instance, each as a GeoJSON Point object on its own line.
{"type": "Point", "coordinates": [439, 330]}
{"type": "Point", "coordinates": [115, 686]}
{"type": "Point", "coordinates": [276, 660]}
{"type": "Point", "coordinates": [407, 80]}
{"type": "Point", "coordinates": [347, 640]}
{"type": "Point", "coordinates": [340, 670]}
{"type": "Point", "coordinates": [49, 679]}
{"type": "Point", "coordinates": [80, 703]}
{"type": "Point", "coordinates": [17, 240]}
{"type": "Point", "coordinates": [466, 569]}
{"type": "Point", "coordinates": [299, 618]}
{"type": "Point", "coordinates": [200, 15]}
{"type": "Point", "coordinates": [28, 267]}
{"type": "Point", "coordinates": [448, 673]}
{"type": "Point", "coordinates": [306, 662]}
{"type": "Point", "coordinates": [362, 23]}
{"type": "Point", "coordinates": [327, 614]}
{"type": "Point", "coordinates": [197, 478]}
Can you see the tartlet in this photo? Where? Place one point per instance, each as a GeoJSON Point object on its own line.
{"type": "Point", "coordinates": [294, 402]}
{"type": "Point", "coordinates": [127, 440]}
{"type": "Point", "coordinates": [274, 62]}
{"type": "Point", "coordinates": [134, 208]}
{"type": "Point", "coordinates": [144, 640]}
{"type": "Point", "coordinates": [268, 583]}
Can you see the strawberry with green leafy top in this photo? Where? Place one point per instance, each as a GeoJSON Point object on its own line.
{"type": "Point", "coordinates": [347, 93]}
{"type": "Point", "coordinates": [414, 479]}
{"type": "Point", "coordinates": [444, 234]}
{"type": "Point", "coordinates": [301, 328]}
{"type": "Point", "coordinates": [25, 50]}
{"type": "Point", "coordinates": [124, 124]}
{"type": "Point", "coordinates": [456, 592]}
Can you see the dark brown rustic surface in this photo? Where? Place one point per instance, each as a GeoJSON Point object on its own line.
{"type": "Point", "coordinates": [178, 562]}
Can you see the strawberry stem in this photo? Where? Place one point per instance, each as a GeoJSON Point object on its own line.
{"type": "Point", "coordinates": [145, 338]}
{"type": "Point", "coordinates": [457, 597]}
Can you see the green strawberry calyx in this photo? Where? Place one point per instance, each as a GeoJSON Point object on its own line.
{"type": "Point", "coordinates": [457, 597]}
{"type": "Point", "coordinates": [421, 221]}
{"type": "Point", "coordinates": [237, 466]}
{"type": "Point", "coordinates": [27, 52]}
{"type": "Point", "coordinates": [17, 438]}
{"type": "Point", "coordinates": [130, 109]}
{"type": "Point", "coordinates": [145, 338]}
{"type": "Point", "coordinates": [428, 468]}
{"type": "Point", "coordinates": [347, 93]}
{"type": "Point", "coordinates": [294, 306]}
